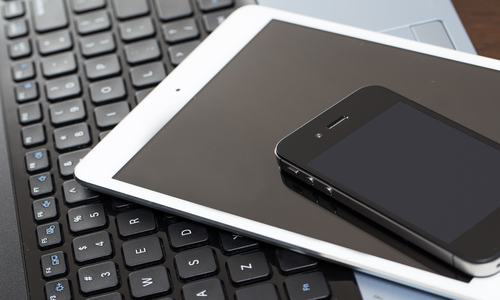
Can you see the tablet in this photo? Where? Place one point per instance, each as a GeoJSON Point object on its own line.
{"type": "Point", "coordinates": [201, 144]}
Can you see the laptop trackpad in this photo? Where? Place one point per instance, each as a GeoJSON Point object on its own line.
{"type": "Point", "coordinates": [432, 33]}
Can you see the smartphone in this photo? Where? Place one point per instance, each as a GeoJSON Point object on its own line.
{"type": "Point", "coordinates": [424, 177]}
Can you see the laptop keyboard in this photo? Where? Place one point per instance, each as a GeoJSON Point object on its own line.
{"type": "Point", "coordinates": [71, 71]}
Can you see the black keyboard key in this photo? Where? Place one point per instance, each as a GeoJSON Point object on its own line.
{"type": "Point", "coordinates": [29, 113]}
{"type": "Point", "coordinates": [187, 233]}
{"type": "Point", "coordinates": [86, 217]}
{"type": "Point", "coordinates": [109, 115]}
{"type": "Point", "coordinates": [210, 289]}
{"type": "Point", "coordinates": [141, 52]}
{"type": "Point", "coordinates": [232, 243]}
{"type": "Point", "coordinates": [135, 222]}
{"type": "Point", "coordinates": [248, 268]}
{"type": "Point", "coordinates": [307, 286]}
{"type": "Point", "coordinates": [67, 162]}
{"type": "Point", "coordinates": [67, 112]}
{"type": "Point", "coordinates": [59, 65]}
{"type": "Point", "coordinates": [119, 203]}
{"type": "Point", "coordinates": [265, 291]}
{"type": "Point", "coordinates": [177, 53]}
{"type": "Point", "coordinates": [173, 9]}
{"type": "Point", "coordinates": [179, 31]}
{"type": "Point", "coordinates": [136, 29]}
{"type": "Point", "coordinates": [130, 9]}
{"type": "Point", "coordinates": [37, 161]}
{"type": "Point", "coordinates": [148, 75]}
{"type": "Point", "coordinates": [20, 48]}
{"type": "Point", "coordinates": [66, 87]}
{"type": "Point", "coordinates": [149, 282]}
{"type": "Point", "coordinates": [290, 261]}
{"type": "Point", "coordinates": [13, 9]}
{"type": "Point", "coordinates": [54, 42]}
{"type": "Point", "coordinates": [214, 19]}
{"type": "Point", "coordinates": [53, 264]}
{"type": "Point", "coordinates": [92, 22]}
{"type": "Point", "coordinates": [80, 6]}
{"type": "Point", "coordinates": [59, 290]}
{"type": "Point", "coordinates": [72, 136]}
{"type": "Point", "coordinates": [26, 92]}
{"type": "Point", "coordinates": [23, 71]}
{"type": "Point", "coordinates": [101, 67]}
{"type": "Point", "coordinates": [142, 251]}
{"type": "Point", "coordinates": [209, 5]}
{"type": "Point", "coordinates": [194, 263]}
{"type": "Point", "coordinates": [16, 29]}
{"type": "Point", "coordinates": [74, 193]}
{"type": "Point", "coordinates": [92, 246]}
{"type": "Point", "coordinates": [33, 135]}
{"type": "Point", "coordinates": [49, 235]}
{"type": "Point", "coordinates": [97, 44]}
{"type": "Point", "coordinates": [45, 209]}
{"type": "Point", "coordinates": [112, 296]}
{"type": "Point", "coordinates": [107, 90]}
{"type": "Point", "coordinates": [41, 184]}
{"type": "Point", "coordinates": [49, 15]}
{"type": "Point", "coordinates": [98, 277]}
{"type": "Point", "coordinates": [140, 95]}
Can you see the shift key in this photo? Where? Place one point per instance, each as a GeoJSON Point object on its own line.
{"type": "Point", "coordinates": [49, 15]}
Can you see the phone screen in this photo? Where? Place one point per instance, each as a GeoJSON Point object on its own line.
{"type": "Point", "coordinates": [418, 168]}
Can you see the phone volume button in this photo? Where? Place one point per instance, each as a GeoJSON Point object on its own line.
{"type": "Point", "coordinates": [293, 170]}
{"type": "Point", "coordinates": [329, 190]}
{"type": "Point", "coordinates": [310, 180]}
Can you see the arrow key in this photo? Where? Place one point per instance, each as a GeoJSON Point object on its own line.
{"type": "Point", "coordinates": [74, 193]}
{"type": "Point", "coordinates": [92, 246]}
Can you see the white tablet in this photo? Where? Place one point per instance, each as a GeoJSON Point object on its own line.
{"type": "Point", "coordinates": [201, 144]}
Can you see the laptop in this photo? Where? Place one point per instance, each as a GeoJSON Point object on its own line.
{"type": "Point", "coordinates": [49, 92]}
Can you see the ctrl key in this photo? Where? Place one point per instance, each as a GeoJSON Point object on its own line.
{"type": "Point", "coordinates": [307, 286]}
{"type": "Point", "coordinates": [58, 290]}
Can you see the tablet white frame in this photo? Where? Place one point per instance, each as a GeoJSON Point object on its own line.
{"type": "Point", "coordinates": [121, 144]}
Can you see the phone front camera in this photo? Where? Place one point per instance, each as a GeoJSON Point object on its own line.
{"type": "Point", "coordinates": [319, 135]}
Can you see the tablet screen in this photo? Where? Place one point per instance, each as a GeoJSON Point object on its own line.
{"type": "Point", "coordinates": [218, 151]}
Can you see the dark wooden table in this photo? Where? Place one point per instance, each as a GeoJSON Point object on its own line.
{"type": "Point", "coordinates": [481, 19]}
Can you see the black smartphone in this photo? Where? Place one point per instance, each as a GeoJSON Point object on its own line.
{"type": "Point", "coordinates": [426, 178]}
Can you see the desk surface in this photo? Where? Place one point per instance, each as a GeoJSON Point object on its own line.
{"type": "Point", "coordinates": [481, 19]}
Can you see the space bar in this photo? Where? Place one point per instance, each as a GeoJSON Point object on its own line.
{"type": "Point", "coordinates": [49, 15]}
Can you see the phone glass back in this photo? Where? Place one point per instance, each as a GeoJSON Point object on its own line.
{"type": "Point", "coordinates": [218, 150]}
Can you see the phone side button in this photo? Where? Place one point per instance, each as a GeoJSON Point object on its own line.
{"type": "Point", "coordinates": [329, 190]}
{"type": "Point", "coordinates": [310, 180]}
{"type": "Point", "coordinates": [292, 170]}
